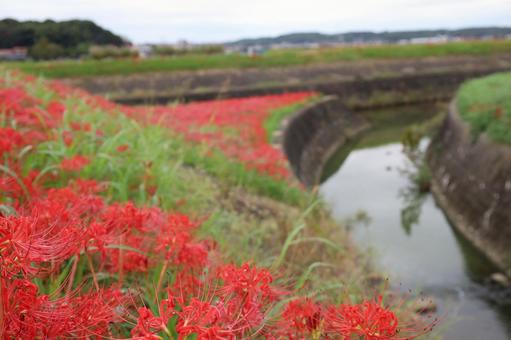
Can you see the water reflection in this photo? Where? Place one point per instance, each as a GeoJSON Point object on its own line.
{"type": "Point", "coordinates": [411, 212]}
{"type": "Point", "coordinates": [419, 179]}
{"type": "Point", "coordinates": [410, 234]}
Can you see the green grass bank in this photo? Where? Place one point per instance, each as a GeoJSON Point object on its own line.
{"type": "Point", "coordinates": [277, 58]}
{"type": "Point", "coordinates": [485, 104]}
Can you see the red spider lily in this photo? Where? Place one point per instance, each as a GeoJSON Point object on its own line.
{"type": "Point", "coordinates": [88, 186]}
{"type": "Point", "coordinates": [9, 139]}
{"type": "Point", "coordinates": [300, 318]}
{"type": "Point", "coordinates": [28, 315]}
{"type": "Point", "coordinates": [232, 126]}
{"type": "Point", "coordinates": [148, 324]}
{"type": "Point", "coordinates": [174, 234]}
{"type": "Point", "coordinates": [75, 163]}
{"type": "Point", "coordinates": [369, 320]}
{"type": "Point", "coordinates": [122, 148]}
{"type": "Point", "coordinates": [74, 229]}
{"type": "Point", "coordinates": [67, 137]}
{"type": "Point", "coordinates": [196, 318]}
{"type": "Point", "coordinates": [27, 244]}
{"type": "Point", "coordinates": [55, 111]}
{"type": "Point", "coordinates": [77, 126]}
{"type": "Point", "coordinates": [14, 101]}
{"type": "Point", "coordinates": [247, 281]}
{"type": "Point", "coordinates": [19, 187]}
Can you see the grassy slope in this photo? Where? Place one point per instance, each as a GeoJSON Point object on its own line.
{"type": "Point", "coordinates": [485, 104]}
{"type": "Point", "coordinates": [62, 69]}
{"type": "Point", "coordinates": [252, 217]}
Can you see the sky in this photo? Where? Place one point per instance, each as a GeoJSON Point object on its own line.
{"type": "Point", "coordinates": [199, 21]}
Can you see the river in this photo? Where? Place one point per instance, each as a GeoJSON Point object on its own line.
{"type": "Point", "coordinates": [410, 237]}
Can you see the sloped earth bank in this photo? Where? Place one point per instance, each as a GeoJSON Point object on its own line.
{"type": "Point", "coordinates": [359, 84]}
{"type": "Point", "coordinates": [472, 183]}
{"type": "Point", "coordinates": [371, 188]}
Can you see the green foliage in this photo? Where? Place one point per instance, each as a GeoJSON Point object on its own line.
{"type": "Point", "coordinates": [63, 69]}
{"type": "Point", "coordinates": [111, 51]}
{"type": "Point", "coordinates": [173, 51]}
{"type": "Point", "coordinates": [44, 50]}
{"type": "Point", "coordinates": [485, 104]}
{"type": "Point", "coordinates": [272, 123]}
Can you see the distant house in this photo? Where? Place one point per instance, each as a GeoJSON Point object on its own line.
{"type": "Point", "coordinates": [256, 50]}
{"type": "Point", "coordinates": [144, 50]}
{"type": "Point", "coordinates": [15, 53]}
{"type": "Point", "coordinates": [438, 39]}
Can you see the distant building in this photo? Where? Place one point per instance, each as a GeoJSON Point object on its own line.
{"type": "Point", "coordinates": [144, 50]}
{"type": "Point", "coordinates": [15, 53]}
{"type": "Point", "coordinates": [256, 50]}
{"type": "Point", "coordinates": [182, 45]}
{"type": "Point", "coordinates": [438, 39]}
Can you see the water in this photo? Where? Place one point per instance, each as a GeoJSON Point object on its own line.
{"type": "Point", "coordinates": [411, 238]}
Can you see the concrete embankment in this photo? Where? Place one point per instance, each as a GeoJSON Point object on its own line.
{"type": "Point", "coordinates": [360, 84]}
{"type": "Point", "coordinates": [472, 184]}
{"type": "Point", "coordinates": [315, 132]}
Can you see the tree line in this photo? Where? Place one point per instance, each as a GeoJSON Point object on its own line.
{"type": "Point", "coordinates": [50, 39]}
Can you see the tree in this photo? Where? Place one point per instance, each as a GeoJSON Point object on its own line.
{"type": "Point", "coordinates": [43, 49]}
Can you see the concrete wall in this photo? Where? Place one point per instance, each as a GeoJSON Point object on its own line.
{"type": "Point", "coordinates": [357, 93]}
{"type": "Point", "coordinates": [472, 184]}
{"type": "Point", "coordinates": [313, 134]}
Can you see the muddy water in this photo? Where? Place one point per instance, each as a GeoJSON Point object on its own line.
{"type": "Point", "coordinates": [409, 235]}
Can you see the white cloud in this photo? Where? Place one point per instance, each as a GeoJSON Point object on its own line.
{"type": "Point", "coordinates": [217, 20]}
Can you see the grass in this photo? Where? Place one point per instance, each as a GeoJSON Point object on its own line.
{"type": "Point", "coordinates": [485, 104]}
{"type": "Point", "coordinates": [249, 217]}
{"type": "Point", "coordinates": [274, 120]}
{"type": "Point", "coordinates": [81, 68]}
{"type": "Point", "coordinates": [252, 217]}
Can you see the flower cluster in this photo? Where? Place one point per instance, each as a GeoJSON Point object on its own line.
{"type": "Point", "coordinates": [74, 264]}
{"type": "Point", "coordinates": [232, 126]}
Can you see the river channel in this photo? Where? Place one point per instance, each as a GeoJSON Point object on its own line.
{"type": "Point", "coordinates": [369, 181]}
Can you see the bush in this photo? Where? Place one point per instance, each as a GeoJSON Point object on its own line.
{"type": "Point", "coordinates": [111, 51]}
{"type": "Point", "coordinates": [45, 50]}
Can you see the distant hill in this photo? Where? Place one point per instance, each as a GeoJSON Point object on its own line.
{"type": "Point", "coordinates": [368, 37]}
{"type": "Point", "coordinates": [50, 39]}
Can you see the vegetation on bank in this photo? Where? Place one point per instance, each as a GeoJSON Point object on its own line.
{"type": "Point", "coordinates": [82, 68]}
{"type": "Point", "coordinates": [485, 103]}
{"type": "Point", "coordinates": [110, 229]}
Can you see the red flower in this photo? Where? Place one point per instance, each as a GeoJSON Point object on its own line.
{"type": "Point", "coordinates": [123, 147]}
{"type": "Point", "coordinates": [369, 320]}
{"type": "Point", "coordinates": [9, 139]}
{"type": "Point", "coordinates": [300, 318]}
{"type": "Point", "coordinates": [247, 281]}
{"type": "Point", "coordinates": [197, 318]}
{"type": "Point", "coordinates": [67, 137]}
{"type": "Point", "coordinates": [28, 244]}
{"type": "Point", "coordinates": [75, 163]}
{"type": "Point", "coordinates": [29, 315]}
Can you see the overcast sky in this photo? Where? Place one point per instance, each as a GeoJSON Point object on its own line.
{"type": "Point", "coordinates": [222, 20]}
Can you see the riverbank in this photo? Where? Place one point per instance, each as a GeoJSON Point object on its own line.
{"type": "Point", "coordinates": [371, 184]}
{"type": "Point", "coordinates": [314, 133]}
{"type": "Point", "coordinates": [360, 84]}
{"type": "Point", "coordinates": [471, 161]}
{"type": "Point", "coordinates": [168, 215]}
